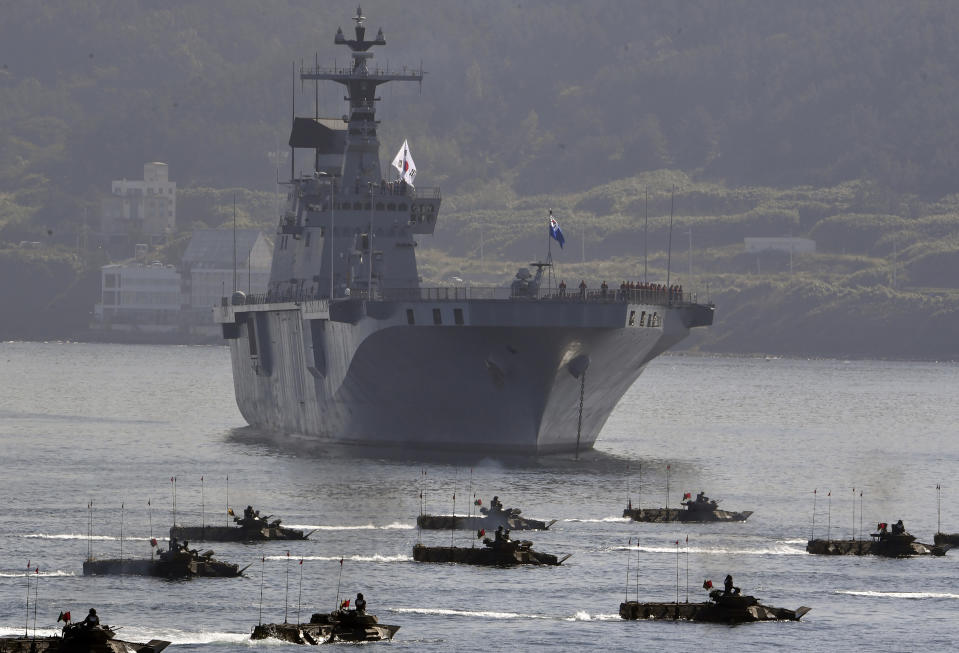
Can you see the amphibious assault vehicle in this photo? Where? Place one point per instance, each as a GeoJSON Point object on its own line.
{"type": "Point", "coordinates": [79, 638]}
{"type": "Point", "coordinates": [895, 544]}
{"type": "Point", "coordinates": [498, 552]}
{"type": "Point", "coordinates": [700, 509]}
{"type": "Point", "coordinates": [490, 518]}
{"type": "Point", "coordinates": [176, 562]}
{"type": "Point", "coordinates": [251, 527]}
{"type": "Point", "coordinates": [721, 608]}
{"type": "Point", "coordinates": [339, 625]}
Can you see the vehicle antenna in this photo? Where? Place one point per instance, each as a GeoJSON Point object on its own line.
{"type": "Point", "coordinates": [36, 599]}
{"type": "Point", "coordinates": [150, 514]}
{"type": "Point", "coordinates": [677, 572]}
{"type": "Point", "coordinates": [299, 599]}
{"type": "Point", "coordinates": [121, 533]}
{"type": "Point", "coordinates": [687, 567]}
{"type": "Point", "coordinates": [669, 237]}
{"type": "Point", "coordinates": [26, 622]}
{"type": "Point", "coordinates": [202, 507]}
{"type": "Point", "coordinates": [938, 508]}
{"type": "Point", "coordinates": [812, 535]}
{"type": "Point", "coordinates": [629, 553]}
{"type": "Point", "coordinates": [645, 241]}
{"type": "Point", "coordinates": [667, 492]}
{"type": "Point", "coordinates": [829, 517]}
{"type": "Point", "coordinates": [262, 570]}
{"type": "Point", "coordinates": [286, 599]}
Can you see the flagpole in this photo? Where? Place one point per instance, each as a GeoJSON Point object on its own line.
{"type": "Point", "coordinates": [121, 533]}
{"type": "Point", "coordinates": [227, 499]}
{"type": "Point", "coordinates": [202, 509]}
{"type": "Point", "coordinates": [549, 254]}
{"type": "Point", "coordinates": [338, 578]}
{"type": "Point", "coordinates": [150, 515]}
{"type": "Point", "coordinates": [687, 567]}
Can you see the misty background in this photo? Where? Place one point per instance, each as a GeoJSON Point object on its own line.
{"type": "Point", "coordinates": [834, 121]}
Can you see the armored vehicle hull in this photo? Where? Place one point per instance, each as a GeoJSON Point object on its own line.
{"type": "Point", "coordinates": [682, 515]}
{"type": "Point", "coordinates": [487, 523]}
{"type": "Point", "coordinates": [235, 534]}
{"type": "Point", "coordinates": [892, 546]}
{"type": "Point", "coordinates": [339, 626]}
{"type": "Point", "coordinates": [77, 638]}
{"type": "Point", "coordinates": [486, 556]}
{"type": "Point", "coordinates": [722, 609]}
{"type": "Point", "coordinates": [946, 540]}
{"type": "Point", "coordinates": [346, 346]}
{"type": "Point", "coordinates": [184, 568]}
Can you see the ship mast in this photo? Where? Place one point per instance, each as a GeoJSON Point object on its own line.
{"type": "Point", "coordinates": [361, 163]}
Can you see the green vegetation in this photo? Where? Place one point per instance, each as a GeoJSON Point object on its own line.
{"type": "Point", "coordinates": [832, 120]}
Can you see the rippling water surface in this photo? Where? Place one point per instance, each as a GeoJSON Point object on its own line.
{"type": "Point", "coordinates": [111, 424]}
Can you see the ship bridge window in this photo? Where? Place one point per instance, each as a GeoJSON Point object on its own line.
{"type": "Point", "coordinates": [366, 206]}
{"type": "Point", "coordinates": [357, 206]}
{"type": "Point", "coordinates": [458, 316]}
{"type": "Point", "coordinates": [306, 243]}
{"type": "Point", "coordinates": [401, 207]}
{"type": "Point", "coordinates": [391, 206]}
{"type": "Point", "coordinates": [379, 206]}
{"type": "Point", "coordinates": [437, 316]}
{"type": "Point", "coordinates": [409, 317]}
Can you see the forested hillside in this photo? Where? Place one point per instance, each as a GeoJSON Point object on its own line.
{"type": "Point", "coordinates": [832, 119]}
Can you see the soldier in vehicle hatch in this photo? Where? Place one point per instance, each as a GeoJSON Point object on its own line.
{"type": "Point", "coordinates": [728, 585]}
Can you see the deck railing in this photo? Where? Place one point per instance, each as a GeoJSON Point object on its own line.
{"type": "Point", "coordinates": [662, 297]}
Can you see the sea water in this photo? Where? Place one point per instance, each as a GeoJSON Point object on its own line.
{"type": "Point", "coordinates": [110, 425]}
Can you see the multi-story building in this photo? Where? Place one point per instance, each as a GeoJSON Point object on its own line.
{"type": "Point", "coordinates": [208, 266]}
{"type": "Point", "coordinates": [144, 297]}
{"type": "Point", "coordinates": [139, 210]}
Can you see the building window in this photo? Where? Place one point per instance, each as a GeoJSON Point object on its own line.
{"type": "Point", "coordinates": [409, 316]}
{"type": "Point", "coordinates": [458, 315]}
{"type": "Point", "coordinates": [437, 316]}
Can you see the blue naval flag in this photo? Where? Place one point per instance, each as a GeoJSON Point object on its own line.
{"type": "Point", "coordinates": [554, 231]}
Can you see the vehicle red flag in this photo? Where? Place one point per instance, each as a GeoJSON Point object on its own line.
{"type": "Point", "coordinates": [687, 496]}
{"type": "Point", "coordinates": [478, 502]}
{"type": "Point", "coordinates": [707, 584]}
{"type": "Point", "coordinates": [480, 533]}
{"type": "Point", "coordinates": [345, 604]}
{"type": "Point", "coordinates": [153, 541]}
{"type": "Point", "coordinates": [301, 561]}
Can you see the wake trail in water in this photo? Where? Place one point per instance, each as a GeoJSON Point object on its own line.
{"type": "Point", "coordinates": [900, 595]}
{"type": "Point", "coordinates": [604, 520]}
{"type": "Point", "coordinates": [780, 548]}
{"type": "Point", "coordinates": [357, 558]}
{"type": "Point", "coordinates": [364, 527]}
{"type": "Point", "coordinates": [580, 615]}
{"type": "Point", "coordinates": [77, 536]}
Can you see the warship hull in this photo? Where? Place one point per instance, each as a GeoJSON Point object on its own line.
{"type": "Point", "coordinates": [497, 375]}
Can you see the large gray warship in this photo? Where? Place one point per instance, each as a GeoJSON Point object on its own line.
{"type": "Point", "coordinates": [347, 346]}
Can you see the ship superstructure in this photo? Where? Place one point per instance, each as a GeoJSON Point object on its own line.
{"type": "Point", "coordinates": [347, 346]}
